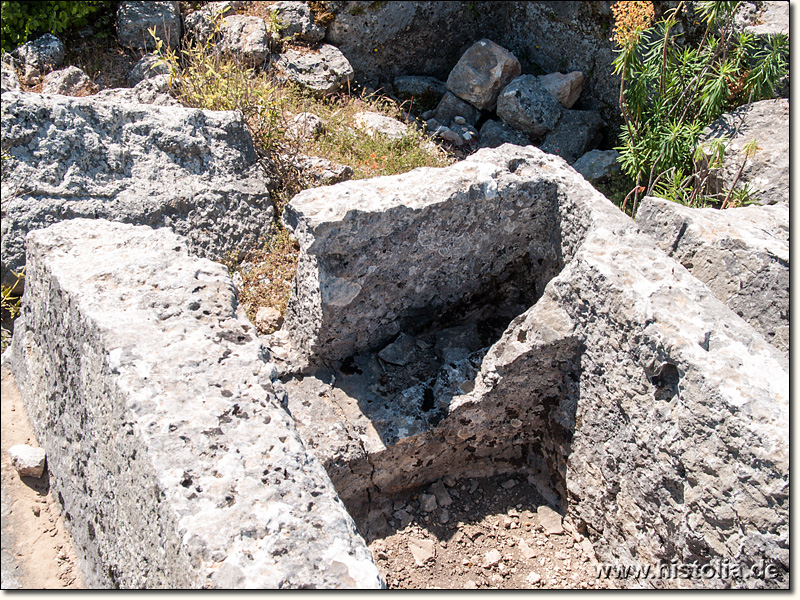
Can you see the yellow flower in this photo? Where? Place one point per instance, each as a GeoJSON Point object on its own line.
{"type": "Point", "coordinates": [631, 18]}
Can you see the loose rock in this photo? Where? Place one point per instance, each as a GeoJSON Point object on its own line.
{"type": "Point", "coordinates": [71, 81]}
{"type": "Point", "coordinates": [422, 550]}
{"type": "Point", "coordinates": [598, 165]}
{"type": "Point", "coordinates": [150, 65]}
{"type": "Point", "coordinates": [377, 123]}
{"type": "Point", "coordinates": [27, 460]}
{"type": "Point", "coordinates": [526, 105]}
{"type": "Point", "coordinates": [564, 88]}
{"type": "Point", "coordinates": [496, 133]}
{"type": "Point", "coordinates": [135, 19]}
{"type": "Point", "coordinates": [268, 319]}
{"type": "Point", "coordinates": [483, 70]}
{"type": "Point", "coordinates": [246, 38]}
{"type": "Point", "coordinates": [451, 107]}
{"type": "Point", "coordinates": [324, 71]}
{"type": "Point", "coordinates": [298, 21]}
{"type": "Point", "coordinates": [576, 132]}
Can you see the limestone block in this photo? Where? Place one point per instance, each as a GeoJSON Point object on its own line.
{"type": "Point", "coordinates": [135, 19]}
{"type": "Point", "coordinates": [742, 254]}
{"type": "Point", "coordinates": [27, 460]}
{"type": "Point", "coordinates": [245, 38]}
{"type": "Point", "coordinates": [481, 72]}
{"type": "Point", "coordinates": [187, 169]}
{"type": "Point", "coordinates": [166, 440]}
{"type": "Point", "coordinates": [71, 81]}
{"type": "Point", "coordinates": [566, 88]}
{"type": "Point", "coordinates": [577, 132]}
{"type": "Point", "coordinates": [323, 71]}
{"type": "Point", "coordinates": [298, 21]}
{"type": "Point", "coordinates": [526, 105]}
{"type": "Point", "coordinates": [377, 123]}
{"type": "Point", "coordinates": [598, 165]}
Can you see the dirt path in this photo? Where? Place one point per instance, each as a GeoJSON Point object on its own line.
{"type": "Point", "coordinates": [37, 550]}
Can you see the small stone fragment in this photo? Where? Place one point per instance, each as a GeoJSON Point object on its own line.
{"type": "Point", "coordinates": [533, 578]}
{"type": "Point", "coordinates": [400, 351]}
{"type": "Point", "coordinates": [422, 550]}
{"type": "Point", "coordinates": [444, 517]}
{"type": "Point", "coordinates": [470, 585]}
{"type": "Point", "coordinates": [442, 496]}
{"type": "Point", "coordinates": [550, 520]}
{"type": "Point", "coordinates": [527, 551]}
{"type": "Point", "coordinates": [491, 558]}
{"type": "Point", "coordinates": [427, 502]}
{"type": "Point", "coordinates": [27, 460]}
{"type": "Point", "coordinates": [268, 319]}
{"type": "Point", "coordinates": [449, 480]}
{"type": "Point", "coordinates": [507, 485]}
{"type": "Point", "coordinates": [564, 88]}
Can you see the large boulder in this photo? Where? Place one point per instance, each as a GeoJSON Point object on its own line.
{"type": "Point", "coordinates": [481, 72]}
{"type": "Point", "coordinates": [191, 170]}
{"type": "Point", "coordinates": [166, 441]}
{"type": "Point", "coordinates": [526, 105]}
{"type": "Point", "coordinates": [297, 21]}
{"type": "Point", "coordinates": [135, 19]}
{"type": "Point", "coordinates": [501, 315]}
{"type": "Point", "coordinates": [742, 254]}
{"type": "Point", "coordinates": [767, 172]}
{"type": "Point", "coordinates": [577, 132]}
{"type": "Point", "coordinates": [245, 38]}
{"type": "Point", "coordinates": [322, 72]}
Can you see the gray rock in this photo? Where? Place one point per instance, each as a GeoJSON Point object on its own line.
{"type": "Point", "coordinates": [192, 457]}
{"type": "Point", "coordinates": [305, 126]}
{"type": "Point", "coordinates": [577, 132]}
{"type": "Point", "coordinates": [135, 19]}
{"type": "Point", "coordinates": [146, 67]}
{"type": "Point", "coordinates": [773, 18]}
{"type": "Point", "coordinates": [71, 81]}
{"type": "Point", "coordinates": [419, 86]}
{"type": "Point", "coordinates": [372, 123]}
{"type": "Point", "coordinates": [298, 21]}
{"type": "Point", "coordinates": [496, 133]}
{"type": "Point", "coordinates": [427, 503]}
{"type": "Point", "coordinates": [246, 39]}
{"type": "Point", "coordinates": [323, 71]}
{"type": "Point", "coordinates": [442, 495]}
{"type": "Point", "coordinates": [598, 165]}
{"type": "Point", "coordinates": [445, 133]}
{"type": "Point", "coordinates": [9, 81]}
{"type": "Point", "coordinates": [44, 53]}
{"type": "Point", "coordinates": [154, 90]}
{"type": "Point", "coordinates": [399, 352]}
{"type": "Point", "coordinates": [191, 170]}
{"type": "Point", "coordinates": [481, 72]}
{"type": "Point", "coordinates": [742, 254]}
{"type": "Point", "coordinates": [27, 460]}
{"type": "Point", "coordinates": [451, 107]}
{"type": "Point", "coordinates": [526, 105]}
{"type": "Point", "coordinates": [566, 88]}
{"type": "Point", "coordinates": [320, 171]}
{"type": "Point", "coordinates": [767, 173]}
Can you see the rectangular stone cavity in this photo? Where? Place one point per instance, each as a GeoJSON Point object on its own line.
{"type": "Point", "coordinates": [171, 455]}
{"type": "Point", "coordinates": [393, 254]}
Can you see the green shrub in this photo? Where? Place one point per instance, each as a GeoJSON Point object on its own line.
{"type": "Point", "coordinates": [671, 91]}
{"type": "Point", "coordinates": [19, 21]}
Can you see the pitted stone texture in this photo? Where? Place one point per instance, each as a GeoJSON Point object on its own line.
{"type": "Point", "coordinates": [298, 21]}
{"type": "Point", "coordinates": [497, 133]}
{"type": "Point", "coordinates": [373, 123]}
{"type": "Point", "coordinates": [191, 170]}
{"type": "Point", "coordinates": [150, 392]}
{"type": "Point", "coordinates": [43, 54]}
{"type": "Point", "coordinates": [10, 80]}
{"type": "Point", "coordinates": [135, 19]}
{"type": "Point", "coordinates": [742, 254]}
{"type": "Point", "coordinates": [566, 88]}
{"type": "Point", "coordinates": [597, 165]}
{"type": "Point", "coordinates": [577, 132]}
{"type": "Point", "coordinates": [153, 90]}
{"type": "Point", "coordinates": [466, 231]}
{"type": "Point", "coordinates": [767, 172]}
{"type": "Point", "coordinates": [245, 38]}
{"type": "Point", "coordinates": [150, 65]}
{"type": "Point", "coordinates": [71, 81]}
{"type": "Point", "coordinates": [481, 72]}
{"type": "Point", "coordinates": [526, 105]}
{"type": "Point", "coordinates": [322, 72]}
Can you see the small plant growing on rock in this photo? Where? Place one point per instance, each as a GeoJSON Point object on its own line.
{"type": "Point", "coordinates": [670, 92]}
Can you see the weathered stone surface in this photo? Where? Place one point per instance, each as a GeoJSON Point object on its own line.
{"type": "Point", "coordinates": [9, 81]}
{"type": "Point", "coordinates": [481, 72]}
{"type": "Point", "coordinates": [27, 460]}
{"type": "Point", "coordinates": [576, 132]}
{"type": "Point", "coordinates": [450, 107]}
{"type": "Point", "coordinates": [422, 550]}
{"type": "Point", "coordinates": [191, 170]}
{"type": "Point", "coordinates": [146, 67]}
{"type": "Point", "coordinates": [71, 81]}
{"type": "Point", "coordinates": [246, 38]}
{"type": "Point", "coordinates": [566, 88]}
{"type": "Point", "coordinates": [628, 392]}
{"type": "Point", "coordinates": [297, 21]}
{"type": "Point", "coordinates": [268, 319]}
{"type": "Point", "coordinates": [148, 388]}
{"type": "Point", "coordinates": [44, 53]}
{"type": "Point", "coordinates": [321, 171]}
{"type": "Point", "coordinates": [526, 105]}
{"type": "Point", "coordinates": [550, 520]}
{"type": "Point", "coordinates": [773, 18]}
{"type": "Point", "coordinates": [419, 86]}
{"type": "Point", "coordinates": [305, 126]}
{"type": "Point", "coordinates": [343, 306]}
{"type": "Point", "coordinates": [598, 165]}
{"type": "Point", "coordinates": [135, 18]}
{"type": "Point", "coordinates": [742, 254]}
{"type": "Point", "coordinates": [372, 123]}
{"type": "Point", "coordinates": [153, 90]}
{"type": "Point", "coordinates": [496, 133]}
{"type": "Point", "coordinates": [767, 172]}
{"type": "Point", "coordinates": [322, 71]}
